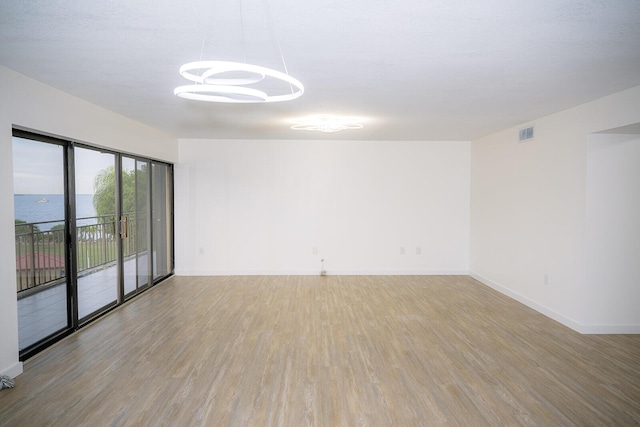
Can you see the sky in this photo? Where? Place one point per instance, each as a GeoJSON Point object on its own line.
{"type": "Point", "coordinates": [38, 167]}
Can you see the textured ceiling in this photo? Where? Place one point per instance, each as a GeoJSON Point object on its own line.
{"type": "Point", "coordinates": [419, 70]}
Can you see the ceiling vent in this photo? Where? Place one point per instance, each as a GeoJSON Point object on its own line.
{"type": "Point", "coordinates": [525, 134]}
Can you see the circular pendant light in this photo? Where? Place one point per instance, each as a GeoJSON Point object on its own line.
{"type": "Point", "coordinates": [212, 85]}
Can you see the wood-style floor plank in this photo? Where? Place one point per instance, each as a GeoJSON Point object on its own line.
{"type": "Point", "coordinates": [328, 351]}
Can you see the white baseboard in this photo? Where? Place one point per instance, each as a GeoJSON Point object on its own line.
{"type": "Point", "coordinates": [13, 370]}
{"type": "Point", "coordinates": [398, 272]}
{"type": "Point", "coordinates": [317, 273]}
{"type": "Point", "coordinates": [567, 321]}
{"type": "Point", "coordinates": [529, 303]}
{"type": "Point", "coordinates": [246, 273]}
{"type": "Point", "coordinates": [610, 329]}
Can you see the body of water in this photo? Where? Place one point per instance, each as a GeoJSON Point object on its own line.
{"type": "Point", "coordinates": [50, 207]}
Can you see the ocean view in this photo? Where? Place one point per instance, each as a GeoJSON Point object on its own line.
{"type": "Point", "coordinates": [49, 207]}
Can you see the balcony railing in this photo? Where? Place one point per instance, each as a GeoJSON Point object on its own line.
{"type": "Point", "coordinates": [40, 255]}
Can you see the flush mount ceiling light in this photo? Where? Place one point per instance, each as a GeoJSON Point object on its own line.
{"type": "Point", "coordinates": [212, 85]}
{"type": "Point", "coordinates": [238, 82]}
{"type": "Point", "coordinates": [327, 123]}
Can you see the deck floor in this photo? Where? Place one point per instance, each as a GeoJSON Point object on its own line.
{"type": "Point", "coordinates": [44, 313]}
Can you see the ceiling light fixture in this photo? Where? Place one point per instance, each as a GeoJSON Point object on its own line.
{"type": "Point", "coordinates": [212, 86]}
{"type": "Point", "coordinates": [327, 123]}
{"type": "Point", "coordinates": [236, 82]}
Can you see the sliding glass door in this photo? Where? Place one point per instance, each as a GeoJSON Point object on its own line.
{"type": "Point", "coordinates": [162, 203]}
{"type": "Point", "coordinates": [96, 244]}
{"type": "Point", "coordinates": [93, 228]}
{"type": "Point", "coordinates": [40, 240]}
{"type": "Point", "coordinates": [136, 223]}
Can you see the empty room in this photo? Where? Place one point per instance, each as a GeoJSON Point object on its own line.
{"type": "Point", "coordinates": [297, 213]}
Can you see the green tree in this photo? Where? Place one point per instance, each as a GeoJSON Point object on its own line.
{"type": "Point", "coordinates": [104, 186]}
{"type": "Point", "coordinates": [23, 228]}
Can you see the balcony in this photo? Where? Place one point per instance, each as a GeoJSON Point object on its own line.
{"type": "Point", "coordinates": [41, 271]}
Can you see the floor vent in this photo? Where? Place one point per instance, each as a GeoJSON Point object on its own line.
{"type": "Point", "coordinates": [525, 134]}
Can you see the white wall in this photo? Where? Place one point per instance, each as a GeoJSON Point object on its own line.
{"type": "Point", "coordinates": [262, 206]}
{"type": "Point", "coordinates": [27, 103]}
{"type": "Point", "coordinates": [249, 207]}
{"type": "Point", "coordinates": [528, 211]}
{"type": "Point", "coordinates": [613, 230]}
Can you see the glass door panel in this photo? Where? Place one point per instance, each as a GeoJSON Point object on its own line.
{"type": "Point", "coordinates": [96, 245]}
{"type": "Point", "coordinates": [135, 224]}
{"type": "Point", "coordinates": [40, 230]}
{"type": "Point", "coordinates": [161, 225]}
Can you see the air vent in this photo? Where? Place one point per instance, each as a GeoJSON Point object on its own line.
{"type": "Point", "coordinates": [525, 134]}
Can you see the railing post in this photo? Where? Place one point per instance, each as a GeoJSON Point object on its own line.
{"type": "Point", "coordinates": [33, 254]}
{"type": "Point", "coordinates": [19, 269]}
{"type": "Point", "coordinates": [103, 235]}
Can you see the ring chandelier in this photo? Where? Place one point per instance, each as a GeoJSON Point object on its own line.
{"type": "Point", "coordinates": [210, 84]}
{"type": "Point", "coordinates": [327, 123]}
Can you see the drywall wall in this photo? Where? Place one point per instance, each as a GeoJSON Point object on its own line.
{"type": "Point", "coordinates": [279, 207]}
{"type": "Point", "coordinates": [528, 210]}
{"type": "Point", "coordinates": [31, 105]}
{"type": "Point", "coordinates": [613, 230]}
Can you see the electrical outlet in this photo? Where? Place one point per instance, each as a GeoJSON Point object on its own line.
{"type": "Point", "coordinates": [314, 250]}
{"type": "Point", "coordinates": [201, 251]}
{"type": "Point", "coordinates": [546, 278]}
{"type": "Point", "coordinates": [418, 250]}
{"type": "Point", "coordinates": [402, 250]}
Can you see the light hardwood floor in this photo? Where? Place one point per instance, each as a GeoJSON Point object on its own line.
{"type": "Point", "coordinates": [328, 351]}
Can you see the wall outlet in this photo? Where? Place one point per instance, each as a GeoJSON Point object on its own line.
{"type": "Point", "coordinates": [314, 250]}
{"type": "Point", "coordinates": [546, 278]}
{"type": "Point", "coordinates": [418, 250]}
{"type": "Point", "coordinates": [402, 250]}
{"type": "Point", "coordinates": [201, 251]}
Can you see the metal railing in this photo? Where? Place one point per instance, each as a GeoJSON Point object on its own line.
{"type": "Point", "coordinates": [40, 255]}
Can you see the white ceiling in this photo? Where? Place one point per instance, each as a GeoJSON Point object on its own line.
{"type": "Point", "coordinates": [418, 69]}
